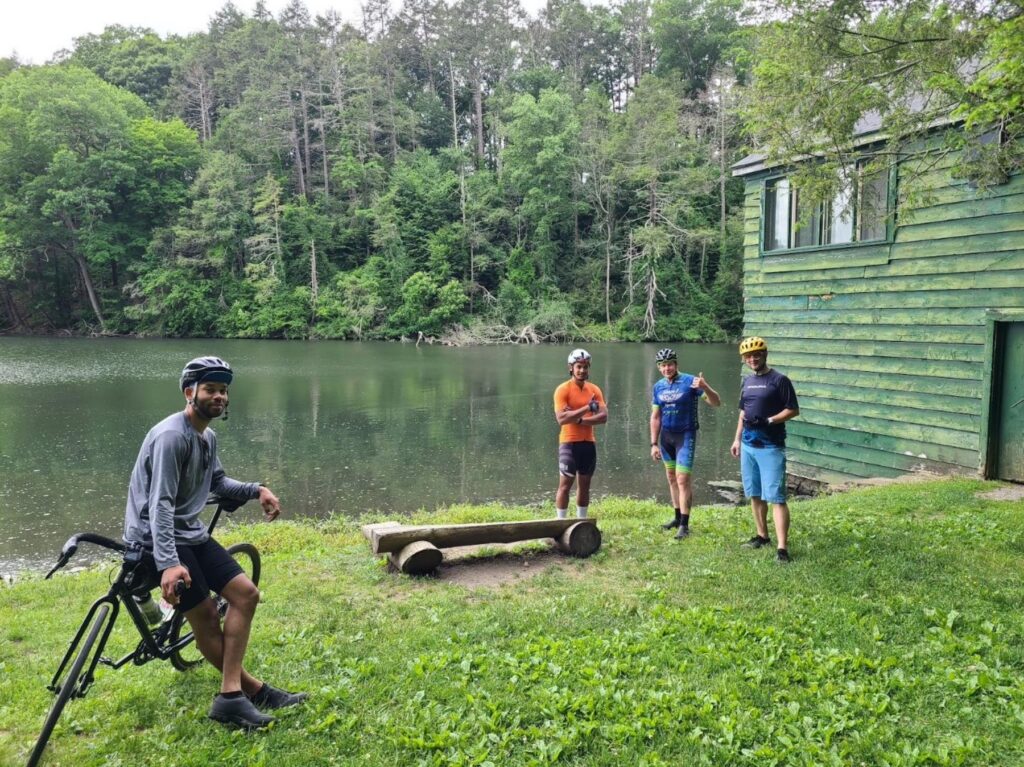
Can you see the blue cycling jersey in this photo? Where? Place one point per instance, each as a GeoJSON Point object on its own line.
{"type": "Point", "coordinates": [677, 400]}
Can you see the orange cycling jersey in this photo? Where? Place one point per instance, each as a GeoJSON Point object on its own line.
{"type": "Point", "coordinates": [571, 395]}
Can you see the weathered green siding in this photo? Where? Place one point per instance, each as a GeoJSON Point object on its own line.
{"type": "Point", "coordinates": [886, 343]}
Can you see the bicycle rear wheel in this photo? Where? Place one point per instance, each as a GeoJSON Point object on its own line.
{"type": "Point", "coordinates": [189, 657]}
{"type": "Point", "coordinates": [67, 688]}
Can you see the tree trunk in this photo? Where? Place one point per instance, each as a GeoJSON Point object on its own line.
{"type": "Point", "coordinates": [418, 558]}
{"type": "Point", "coordinates": [298, 159]}
{"type": "Point", "coordinates": [451, 96]}
{"type": "Point", "coordinates": [323, 137]}
{"type": "Point", "coordinates": [721, 171]}
{"type": "Point", "coordinates": [83, 270]}
{"type": "Point", "coordinates": [575, 223]}
{"type": "Point", "coordinates": [581, 540]}
{"type": "Point", "coordinates": [305, 134]}
{"type": "Point", "coordinates": [391, 111]}
{"type": "Point", "coordinates": [610, 234]}
{"type": "Point", "coordinates": [11, 308]}
{"type": "Point", "coordinates": [478, 106]}
{"type": "Point", "coordinates": [468, 235]}
{"type": "Point", "coordinates": [314, 285]}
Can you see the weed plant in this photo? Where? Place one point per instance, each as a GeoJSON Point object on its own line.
{"type": "Point", "coordinates": [894, 638]}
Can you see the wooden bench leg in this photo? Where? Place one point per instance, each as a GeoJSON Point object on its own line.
{"type": "Point", "coordinates": [418, 558]}
{"type": "Point", "coordinates": [580, 540]}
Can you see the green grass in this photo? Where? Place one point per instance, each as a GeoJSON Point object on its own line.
{"type": "Point", "coordinates": [896, 637]}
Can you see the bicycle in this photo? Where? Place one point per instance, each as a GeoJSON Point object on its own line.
{"type": "Point", "coordinates": [165, 641]}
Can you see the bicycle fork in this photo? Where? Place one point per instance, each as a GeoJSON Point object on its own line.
{"type": "Point", "coordinates": [86, 679]}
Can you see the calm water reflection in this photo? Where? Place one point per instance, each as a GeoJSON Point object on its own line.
{"type": "Point", "coordinates": [334, 428]}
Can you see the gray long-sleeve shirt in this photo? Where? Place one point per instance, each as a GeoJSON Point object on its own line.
{"type": "Point", "coordinates": [175, 472]}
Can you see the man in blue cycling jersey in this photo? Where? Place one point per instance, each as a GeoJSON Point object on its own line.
{"type": "Point", "coordinates": [175, 472]}
{"type": "Point", "coordinates": [674, 427]}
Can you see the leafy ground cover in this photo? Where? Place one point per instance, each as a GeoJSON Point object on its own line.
{"type": "Point", "coordinates": [896, 637]}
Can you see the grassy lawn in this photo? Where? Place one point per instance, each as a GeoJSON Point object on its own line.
{"type": "Point", "coordinates": [896, 637]}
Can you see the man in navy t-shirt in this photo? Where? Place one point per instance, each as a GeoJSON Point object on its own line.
{"type": "Point", "coordinates": [767, 401]}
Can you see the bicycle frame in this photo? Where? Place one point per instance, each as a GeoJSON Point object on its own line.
{"type": "Point", "coordinates": [77, 668]}
{"type": "Point", "coordinates": [152, 645]}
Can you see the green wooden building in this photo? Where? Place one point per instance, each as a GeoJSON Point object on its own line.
{"type": "Point", "coordinates": [901, 326]}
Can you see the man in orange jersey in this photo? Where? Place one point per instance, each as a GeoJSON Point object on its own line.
{"type": "Point", "coordinates": [579, 406]}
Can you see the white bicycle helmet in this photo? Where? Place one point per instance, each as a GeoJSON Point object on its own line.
{"type": "Point", "coordinates": [579, 355]}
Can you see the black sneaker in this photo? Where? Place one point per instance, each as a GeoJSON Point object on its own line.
{"type": "Point", "coordinates": [671, 524]}
{"type": "Point", "coordinates": [757, 542]}
{"type": "Point", "coordinates": [270, 698]}
{"type": "Point", "coordinates": [238, 711]}
{"type": "Point", "coordinates": [782, 557]}
{"type": "Point", "coordinates": [683, 532]}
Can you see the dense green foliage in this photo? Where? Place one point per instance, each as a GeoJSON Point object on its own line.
{"type": "Point", "coordinates": [894, 638]}
{"type": "Point", "coordinates": [462, 170]}
{"type": "Point", "coordinates": [441, 170]}
{"type": "Point", "coordinates": [825, 68]}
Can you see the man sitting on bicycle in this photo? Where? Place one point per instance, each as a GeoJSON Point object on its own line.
{"type": "Point", "coordinates": [175, 472]}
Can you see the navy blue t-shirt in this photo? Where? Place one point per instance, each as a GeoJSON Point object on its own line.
{"type": "Point", "coordinates": [764, 396]}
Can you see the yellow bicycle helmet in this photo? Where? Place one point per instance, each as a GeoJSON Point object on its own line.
{"type": "Point", "coordinates": [752, 344]}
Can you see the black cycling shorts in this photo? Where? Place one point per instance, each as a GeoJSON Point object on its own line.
{"type": "Point", "coordinates": [577, 458]}
{"type": "Point", "coordinates": [209, 565]}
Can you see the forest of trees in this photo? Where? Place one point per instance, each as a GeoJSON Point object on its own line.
{"type": "Point", "coordinates": [455, 170]}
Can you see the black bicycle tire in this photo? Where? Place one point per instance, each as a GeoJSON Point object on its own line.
{"type": "Point", "coordinates": [182, 663]}
{"type": "Point", "coordinates": [68, 687]}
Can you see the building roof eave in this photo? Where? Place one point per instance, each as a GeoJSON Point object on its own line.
{"type": "Point", "coordinates": [868, 132]}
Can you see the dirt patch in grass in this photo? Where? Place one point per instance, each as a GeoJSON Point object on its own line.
{"type": "Point", "coordinates": [471, 566]}
{"type": "Point", "coordinates": [902, 479]}
{"type": "Point", "coordinates": [1004, 493]}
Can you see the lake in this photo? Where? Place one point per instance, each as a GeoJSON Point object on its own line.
{"type": "Point", "coordinates": [334, 428]}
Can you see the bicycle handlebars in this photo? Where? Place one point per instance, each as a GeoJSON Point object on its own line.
{"type": "Point", "coordinates": [71, 546]}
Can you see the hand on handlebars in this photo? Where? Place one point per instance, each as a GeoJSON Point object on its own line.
{"type": "Point", "coordinates": [169, 582]}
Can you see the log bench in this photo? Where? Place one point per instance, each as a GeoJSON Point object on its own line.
{"type": "Point", "coordinates": [416, 549]}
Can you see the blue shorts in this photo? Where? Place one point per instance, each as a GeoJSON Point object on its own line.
{"type": "Point", "coordinates": [764, 472]}
{"type": "Point", "coordinates": [677, 448]}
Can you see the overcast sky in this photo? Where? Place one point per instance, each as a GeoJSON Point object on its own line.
{"type": "Point", "coordinates": [36, 29]}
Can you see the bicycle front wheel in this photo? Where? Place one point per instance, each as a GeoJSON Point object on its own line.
{"type": "Point", "coordinates": [189, 657]}
{"type": "Point", "coordinates": [69, 685]}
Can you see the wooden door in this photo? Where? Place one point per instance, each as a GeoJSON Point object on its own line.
{"type": "Point", "coordinates": [1010, 424]}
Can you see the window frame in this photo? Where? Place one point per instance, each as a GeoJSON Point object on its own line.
{"type": "Point", "coordinates": [823, 217]}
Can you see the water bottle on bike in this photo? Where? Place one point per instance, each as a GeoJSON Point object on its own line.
{"type": "Point", "coordinates": [150, 609]}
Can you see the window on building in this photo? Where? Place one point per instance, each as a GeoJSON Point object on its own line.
{"type": "Point", "coordinates": [872, 206]}
{"type": "Point", "coordinates": [792, 223]}
{"type": "Point", "coordinates": [776, 215]}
